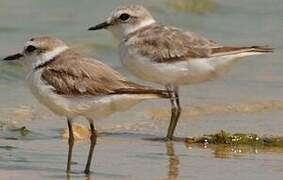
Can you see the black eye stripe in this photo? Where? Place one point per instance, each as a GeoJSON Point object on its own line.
{"type": "Point", "coordinates": [30, 48]}
{"type": "Point", "coordinates": [124, 17]}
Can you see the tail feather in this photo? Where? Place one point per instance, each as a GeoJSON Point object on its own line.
{"type": "Point", "coordinates": [134, 88]}
{"type": "Point", "coordinates": [159, 93]}
{"type": "Point", "coordinates": [262, 49]}
{"type": "Point", "coordinates": [222, 51]}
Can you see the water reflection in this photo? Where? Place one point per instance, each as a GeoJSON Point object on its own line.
{"type": "Point", "coordinates": [174, 162]}
{"type": "Point", "coordinates": [71, 176]}
{"type": "Point", "coordinates": [68, 176]}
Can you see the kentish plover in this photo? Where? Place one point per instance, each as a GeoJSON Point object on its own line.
{"type": "Point", "coordinates": [167, 55]}
{"type": "Point", "coordinates": [71, 85]}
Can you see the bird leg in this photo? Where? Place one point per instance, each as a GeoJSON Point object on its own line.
{"type": "Point", "coordinates": [179, 109]}
{"type": "Point", "coordinates": [71, 144]}
{"type": "Point", "coordinates": [93, 137]}
{"type": "Point", "coordinates": [175, 110]}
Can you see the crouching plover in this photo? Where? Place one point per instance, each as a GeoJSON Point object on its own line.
{"type": "Point", "coordinates": [168, 55]}
{"type": "Point", "coordinates": [71, 85]}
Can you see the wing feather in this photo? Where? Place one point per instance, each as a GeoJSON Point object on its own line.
{"type": "Point", "coordinates": [168, 44]}
{"type": "Point", "coordinates": [82, 76]}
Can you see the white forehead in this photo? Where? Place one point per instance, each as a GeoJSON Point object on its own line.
{"type": "Point", "coordinates": [31, 43]}
{"type": "Point", "coordinates": [117, 13]}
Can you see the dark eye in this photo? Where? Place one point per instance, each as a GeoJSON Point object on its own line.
{"type": "Point", "coordinates": [30, 49]}
{"type": "Point", "coordinates": [124, 17]}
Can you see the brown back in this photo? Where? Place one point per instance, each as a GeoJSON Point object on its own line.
{"type": "Point", "coordinates": [70, 74]}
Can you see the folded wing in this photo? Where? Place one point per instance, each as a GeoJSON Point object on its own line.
{"type": "Point", "coordinates": [78, 77]}
{"type": "Point", "coordinates": [168, 44]}
{"type": "Point", "coordinates": [163, 44]}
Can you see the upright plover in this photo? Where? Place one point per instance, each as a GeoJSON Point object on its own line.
{"type": "Point", "coordinates": [71, 85]}
{"type": "Point", "coordinates": [167, 55]}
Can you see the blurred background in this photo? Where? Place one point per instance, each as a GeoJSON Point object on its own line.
{"type": "Point", "coordinates": [247, 99]}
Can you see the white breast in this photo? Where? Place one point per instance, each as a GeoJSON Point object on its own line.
{"type": "Point", "coordinates": [45, 95]}
{"type": "Point", "coordinates": [182, 72]}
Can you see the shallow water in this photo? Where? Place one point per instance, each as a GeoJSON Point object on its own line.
{"type": "Point", "coordinates": [247, 99]}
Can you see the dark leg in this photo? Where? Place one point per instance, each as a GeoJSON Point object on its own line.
{"type": "Point", "coordinates": [93, 137]}
{"type": "Point", "coordinates": [175, 112]}
{"type": "Point", "coordinates": [71, 144]}
{"type": "Point", "coordinates": [172, 100]}
{"type": "Point", "coordinates": [179, 109]}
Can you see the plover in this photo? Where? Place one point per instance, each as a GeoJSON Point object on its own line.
{"type": "Point", "coordinates": [71, 85]}
{"type": "Point", "coordinates": [167, 55]}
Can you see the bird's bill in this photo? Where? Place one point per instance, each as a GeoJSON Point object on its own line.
{"type": "Point", "coordinates": [99, 26]}
{"type": "Point", "coordinates": [13, 57]}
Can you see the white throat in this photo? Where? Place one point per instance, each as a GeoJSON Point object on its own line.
{"type": "Point", "coordinates": [140, 26]}
{"type": "Point", "coordinates": [48, 56]}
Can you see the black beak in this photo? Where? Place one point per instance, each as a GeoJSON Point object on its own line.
{"type": "Point", "coordinates": [13, 57]}
{"type": "Point", "coordinates": [99, 26]}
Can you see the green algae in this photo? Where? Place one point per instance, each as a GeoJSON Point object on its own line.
{"type": "Point", "coordinates": [7, 147]}
{"type": "Point", "coordinates": [23, 131]}
{"type": "Point", "coordinates": [225, 138]}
